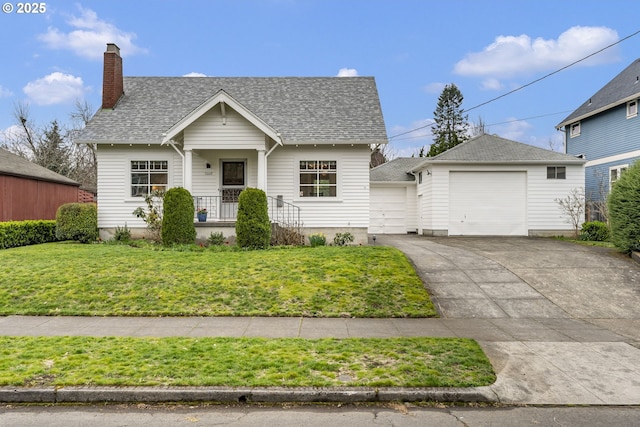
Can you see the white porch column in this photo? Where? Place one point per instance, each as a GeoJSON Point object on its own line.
{"type": "Point", "coordinates": [262, 170]}
{"type": "Point", "coordinates": [188, 169]}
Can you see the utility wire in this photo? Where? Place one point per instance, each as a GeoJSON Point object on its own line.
{"type": "Point", "coordinates": [528, 84]}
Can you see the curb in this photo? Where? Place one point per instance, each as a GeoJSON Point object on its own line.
{"type": "Point", "coordinates": [242, 395]}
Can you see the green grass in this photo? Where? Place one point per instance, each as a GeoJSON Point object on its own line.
{"type": "Point", "coordinates": [250, 362]}
{"type": "Point", "coordinates": [120, 280]}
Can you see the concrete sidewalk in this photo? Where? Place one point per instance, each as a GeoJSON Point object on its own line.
{"type": "Point", "coordinates": [558, 321]}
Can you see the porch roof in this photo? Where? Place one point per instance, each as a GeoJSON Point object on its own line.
{"type": "Point", "coordinates": [303, 110]}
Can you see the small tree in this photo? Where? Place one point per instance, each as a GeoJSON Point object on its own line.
{"type": "Point", "coordinates": [253, 227]}
{"type": "Point", "coordinates": [573, 207]}
{"type": "Point", "coordinates": [451, 125]}
{"type": "Point", "coordinates": [624, 210]}
{"type": "Point", "coordinates": [177, 217]}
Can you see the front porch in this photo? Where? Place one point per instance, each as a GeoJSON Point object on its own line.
{"type": "Point", "coordinates": [223, 210]}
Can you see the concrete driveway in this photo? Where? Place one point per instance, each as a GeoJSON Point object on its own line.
{"type": "Point", "coordinates": [560, 322]}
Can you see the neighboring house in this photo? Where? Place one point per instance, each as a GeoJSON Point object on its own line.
{"type": "Point", "coordinates": [305, 141]}
{"type": "Point", "coordinates": [30, 191]}
{"type": "Point", "coordinates": [485, 186]}
{"type": "Point", "coordinates": [606, 131]}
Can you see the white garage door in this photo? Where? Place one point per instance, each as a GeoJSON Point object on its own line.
{"type": "Point", "coordinates": [387, 210]}
{"type": "Point", "coordinates": [487, 204]}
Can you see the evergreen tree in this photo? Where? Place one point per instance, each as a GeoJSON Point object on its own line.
{"type": "Point", "coordinates": [451, 126]}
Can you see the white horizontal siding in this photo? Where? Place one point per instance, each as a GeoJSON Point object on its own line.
{"type": "Point", "coordinates": [115, 204]}
{"type": "Point", "coordinates": [207, 181]}
{"type": "Point", "coordinates": [543, 212]}
{"type": "Point", "coordinates": [210, 131]}
{"type": "Point", "coordinates": [349, 209]}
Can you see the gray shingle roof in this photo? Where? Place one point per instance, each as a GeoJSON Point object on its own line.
{"type": "Point", "coordinates": [12, 164]}
{"type": "Point", "coordinates": [302, 109]}
{"type": "Point", "coordinates": [494, 149]}
{"type": "Point", "coordinates": [621, 89]}
{"type": "Point", "coordinates": [396, 170]}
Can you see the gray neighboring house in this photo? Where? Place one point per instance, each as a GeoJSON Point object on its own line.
{"type": "Point", "coordinates": [304, 141]}
{"type": "Point", "coordinates": [486, 186]}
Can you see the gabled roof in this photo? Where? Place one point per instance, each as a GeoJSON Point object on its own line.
{"type": "Point", "coordinates": [396, 170]}
{"type": "Point", "coordinates": [14, 165]}
{"type": "Point", "coordinates": [301, 109]}
{"type": "Point", "coordinates": [492, 149]}
{"type": "Point", "coordinates": [623, 88]}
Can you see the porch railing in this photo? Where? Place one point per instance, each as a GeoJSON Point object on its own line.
{"type": "Point", "coordinates": [218, 208]}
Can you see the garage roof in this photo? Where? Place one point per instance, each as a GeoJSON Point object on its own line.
{"type": "Point", "coordinates": [396, 170]}
{"type": "Point", "coordinates": [14, 165]}
{"type": "Point", "coordinates": [492, 149]}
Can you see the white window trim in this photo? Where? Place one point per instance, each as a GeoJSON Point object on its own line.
{"type": "Point", "coordinates": [572, 126]}
{"type": "Point", "coordinates": [556, 172]}
{"type": "Point", "coordinates": [619, 169]}
{"type": "Point", "coordinates": [296, 191]}
{"type": "Point", "coordinates": [631, 114]}
{"type": "Point", "coordinates": [128, 197]}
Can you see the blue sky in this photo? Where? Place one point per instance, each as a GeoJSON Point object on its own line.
{"type": "Point", "coordinates": [412, 48]}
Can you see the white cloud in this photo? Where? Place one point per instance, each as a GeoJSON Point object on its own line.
{"type": "Point", "coordinates": [348, 72]}
{"type": "Point", "coordinates": [194, 74]}
{"type": "Point", "coordinates": [509, 56]}
{"type": "Point", "coordinates": [491, 84]}
{"type": "Point", "coordinates": [55, 88]}
{"type": "Point", "coordinates": [435, 87]}
{"type": "Point", "coordinates": [90, 36]}
{"type": "Point", "coordinates": [5, 93]}
{"type": "Point", "coordinates": [515, 129]}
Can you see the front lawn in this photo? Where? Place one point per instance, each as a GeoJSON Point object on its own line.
{"type": "Point", "coordinates": [119, 280]}
{"type": "Point", "coordinates": [248, 362]}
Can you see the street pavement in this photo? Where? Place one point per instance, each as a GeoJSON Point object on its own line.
{"type": "Point", "coordinates": [558, 321]}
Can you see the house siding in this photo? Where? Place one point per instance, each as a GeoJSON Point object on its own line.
{"type": "Point", "coordinates": [349, 210]}
{"type": "Point", "coordinates": [24, 198]}
{"type": "Point", "coordinates": [232, 132]}
{"type": "Point", "coordinates": [115, 204]}
{"type": "Point", "coordinates": [606, 134]}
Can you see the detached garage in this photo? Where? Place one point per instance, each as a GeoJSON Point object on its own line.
{"type": "Point", "coordinates": [487, 186]}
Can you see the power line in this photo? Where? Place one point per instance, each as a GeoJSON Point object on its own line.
{"type": "Point", "coordinates": [487, 125]}
{"type": "Point", "coordinates": [528, 84]}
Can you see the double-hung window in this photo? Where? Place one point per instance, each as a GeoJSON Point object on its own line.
{"type": "Point", "coordinates": [318, 178]}
{"type": "Point", "coordinates": [574, 129]}
{"type": "Point", "coordinates": [148, 176]}
{"type": "Point", "coordinates": [632, 108]}
{"type": "Point", "coordinates": [556, 172]}
{"type": "Point", "coordinates": [615, 172]}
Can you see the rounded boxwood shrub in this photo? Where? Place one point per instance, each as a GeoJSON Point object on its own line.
{"type": "Point", "coordinates": [77, 221]}
{"type": "Point", "coordinates": [594, 231]}
{"type": "Point", "coordinates": [624, 214]}
{"type": "Point", "coordinates": [253, 227]}
{"type": "Point", "coordinates": [177, 217]}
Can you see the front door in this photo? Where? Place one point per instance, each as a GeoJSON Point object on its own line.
{"type": "Point", "coordinates": [233, 182]}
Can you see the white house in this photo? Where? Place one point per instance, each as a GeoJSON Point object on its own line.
{"type": "Point", "coordinates": [304, 141]}
{"type": "Point", "coordinates": [485, 186]}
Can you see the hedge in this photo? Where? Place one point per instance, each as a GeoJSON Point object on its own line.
{"type": "Point", "coordinates": [624, 210]}
{"type": "Point", "coordinates": [177, 217]}
{"type": "Point", "coordinates": [253, 227]}
{"type": "Point", "coordinates": [77, 221]}
{"type": "Point", "coordinates": [24, 233]}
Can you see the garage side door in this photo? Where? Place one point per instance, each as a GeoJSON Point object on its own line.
{"type": "Point", "coordinates": [387, 210]}
{"type": "Point", "coordinates": [487, 204]}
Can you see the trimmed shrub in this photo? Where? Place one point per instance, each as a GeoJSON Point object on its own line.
{"type": "Point", "coordinates": [624, 211]}
{"type": "Point", "coordinates": [216, 239]}
{"type": "Point", "coordinates": [253, 227]}
{"type": "Point", "coordinates": [24, 233]}
{"type": "Point", "coordinates": [595, 231]}
{"type": "Point", "coordinates": [77, 221]}
{"type": "Point", "coordinates": [177, 218]}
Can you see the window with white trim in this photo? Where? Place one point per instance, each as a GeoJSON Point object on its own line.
{"type": "Point", "coordinates": [556, 172]}
{"type": "Point", "coordinates": [615, 172]}
{"type": "Point", "coordinates": [148, 175]}
{"type": "Point", "coordinates": [574, 129]}
{"type": "Point", "coordinates": [632, 108]}
{"type": "Point", "coordinates": [318, 178]}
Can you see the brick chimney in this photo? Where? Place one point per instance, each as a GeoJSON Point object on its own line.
{"type": "Point", "coordinates": [112, 85]}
